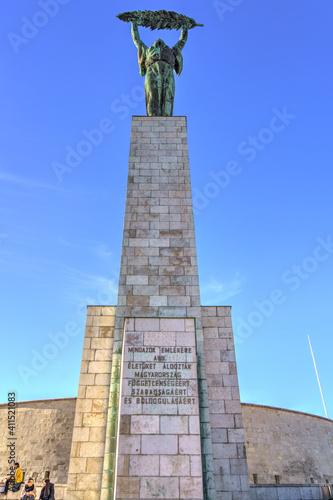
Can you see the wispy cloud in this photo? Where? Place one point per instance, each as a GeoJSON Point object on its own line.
{"type": "Point", "coordinates": [98, 249]}
{"type": "Point", "coordinates": [215, 292]}
{"type": "Point", "coordinates": [89, 289]}
{"type": "Point", "coordinates": [28, 185]}
{"type": "Point", "coordinates": [84, 288]}
{"type": "Point", "coordinates": [26, 182]}
{"type": "Point", "coordinates": [76, 286]}
{"type": "Point", "coordinates": [103, 252]}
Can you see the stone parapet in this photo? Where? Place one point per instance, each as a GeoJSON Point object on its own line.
{"type": "Point", "coordinates": [291, 492]}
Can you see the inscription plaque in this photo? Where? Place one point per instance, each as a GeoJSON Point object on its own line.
{"type": "Point", "coordinates": [159, 440]}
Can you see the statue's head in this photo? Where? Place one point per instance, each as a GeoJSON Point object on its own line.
{"type": "Point", "coordinates": [159, 43]}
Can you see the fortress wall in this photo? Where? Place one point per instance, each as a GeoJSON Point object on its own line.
{"type": "Point", "coordinates": [295, 446]}
{"type": "Point", "coordinates": [44, 434]}
{"type": "Point", "coordinates": [292, 445]}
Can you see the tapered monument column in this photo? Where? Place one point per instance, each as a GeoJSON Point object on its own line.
{"type": "Point", "coordinates": [158, 345]}
{"type": "Point", "coordinates": [158, 412]}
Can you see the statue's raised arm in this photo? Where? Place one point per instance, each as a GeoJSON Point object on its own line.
{"type": "Point", "coordinates": [136, 37]}
{"type": "Point", "coordinates": [159, 62]}
{"type": "Point", "coordinates": [142, 48]}
{"type": "Point", "coordinates": [182, 39]}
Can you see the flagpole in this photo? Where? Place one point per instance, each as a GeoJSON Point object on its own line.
{"type": "Point", "coordinates": [315, 366]}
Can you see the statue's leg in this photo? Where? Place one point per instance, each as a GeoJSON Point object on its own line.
{"type": "Point", "coordinates": [168, 105]}
{"type": "Point", "coordinates": [169, 94]}
{"type": "Point", "coordinates": [152, 94]}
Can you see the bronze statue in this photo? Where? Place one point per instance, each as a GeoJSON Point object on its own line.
{"type": "Point", "coordinates": [159, 61]}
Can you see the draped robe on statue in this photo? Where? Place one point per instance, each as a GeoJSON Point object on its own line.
{"type": "Point", "coordinates": [158, 63]}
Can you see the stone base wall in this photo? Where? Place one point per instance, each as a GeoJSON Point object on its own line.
{"type": "Point", "coordinates": [229, 454]}
{"type": "Point", "coordinates": [287, 446]}
{"type": "Point", "coordinates": [40, 445]}
{"type": "Point", "coordinates": [290, 492]}
{"type": "Point", "coordinates": [258, 423]}
{"type": "Point", "coordinates": [89, 433]}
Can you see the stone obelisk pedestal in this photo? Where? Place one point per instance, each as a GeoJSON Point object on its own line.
{"type": "Point", "coordinates": [153, 420]}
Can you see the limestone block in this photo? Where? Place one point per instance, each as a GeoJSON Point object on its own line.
{"type": "Point", "coordinates": [97, 434]}
{"type": "Point", "coordinates": [99, 367]}
{"type": "Point", "coordinates": [144, 465]}
{"type": "Point", "coordinates": [81, 393]}
{"type": "Point", "coordinates": [144, 424]}
{"type": "Point", "coordinates": [194, 425]}
{"type": "Point", "coordinates": [221, 393]}
{"type": "Point", "coordinates": [179, 301]}
{"type": "Point", "coordinates": [80, 434]}
{"type": "Point", "coordinates": [94, 419]}
{"type": "Point", "coordinates": [128, 488]}
{"type": "Point", "coordinates": [92, 450]}
{"type": "Point", "coordinates": [147, 325]}
{"type": "Point", "coordinates": [159, 487]}
{"type": "Point", "coordinates": [175, 465]}
{"type": "Point", "coordinates": [172, 312]}
{"type": "Point", "coordinates": [106, 331]}
{"type": "Point", "coordinates": [185, 339]}
{"type": "Point", "coordinates": [90, 495]}
{"type": "Point", "coordinates": [94, 465]}
{"type": "Point", "coordinates": [215, 344]}
{"type": "Point", "coordinates": [196, 465]}
{"type": "Point", "coordinates": [158, 301]}
{"type": "Point", "coordinates": [159, 444]}
{"type": "Point", "coordinates": [102, 379]}
{"type": "Point", "coordinates": [189, 445]}
{"type": "Point", "coordinates": [97, 392]}
{"type": "Point", "coordinates": [224, 450]}
{"type": "Point", "coordinates": [103, 321]}
{"type": "Point", "coordinates": [236, 436]}
{"type": "Point", "coordinates": [85, 481]}
{"type": "Point", "coordinates": [88, 354]}
{"type": "Point", "coordinates": [231, 483]}
{"type": "Point", "coordinates": [175, 424]}
{"type": "Point", "coordinates": [123, 465]}
{"type": "Point", "coordinates": [83, 405]}
{"type": "Point", "coordinates": [219, 436]}
{"type": "Point", "coordinates": [129, 445]}
{"type": "Point", "coordinates": [157, 338]}
{"type": "Point", "coordinates": [99, 405]}
{"type": "Point", "coordinates": [101, 343]}
{"type": "Point", "coordinates": [191, 488]}
{"type": "Point", "coordinates": [103, 355]}
{"type": "Point", "coordinates": [159, 280]}
{"type": "Point", "coordinates": [93, 310]}
{"type": "Point", "coordinates": [233, 407]}
{"type": "Point", "coordinates": [217, 368]}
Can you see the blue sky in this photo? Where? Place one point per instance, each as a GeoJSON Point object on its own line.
{"type": "Point", "coordinates": [257, 92]}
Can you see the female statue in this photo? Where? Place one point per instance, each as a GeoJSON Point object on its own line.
{"type": "Point", "coordinates": [158, 63]}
